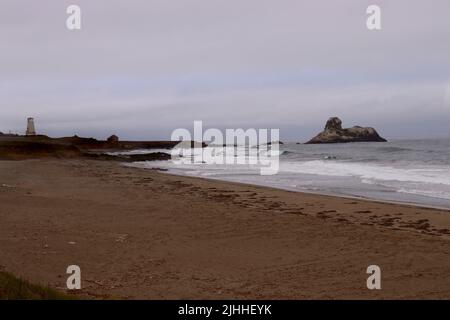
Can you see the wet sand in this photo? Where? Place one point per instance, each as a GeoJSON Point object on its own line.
{"type": "Point", "coordinates": [144, 234]}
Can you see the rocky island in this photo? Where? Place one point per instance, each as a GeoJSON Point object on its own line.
{"type": "Point", "coordinates": [334, 133]}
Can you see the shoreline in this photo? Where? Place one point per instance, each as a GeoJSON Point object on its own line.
{"type": "Point", "coordinates": [143, 234]}
{"type": "Point", "coordinates": [336, 195]}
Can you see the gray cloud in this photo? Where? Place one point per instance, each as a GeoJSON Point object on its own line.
{"type": "Point", "coordinates": [143, 68]}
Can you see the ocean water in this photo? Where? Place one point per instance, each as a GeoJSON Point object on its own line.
{"type": "Point", "coordinates": [410, 171]}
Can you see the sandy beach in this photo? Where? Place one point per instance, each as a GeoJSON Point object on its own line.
{"type": "Point", "coordinates": [145, 234]}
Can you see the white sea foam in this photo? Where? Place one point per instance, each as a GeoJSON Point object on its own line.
{"type": "Point", "coordinates": [410, 171]}
{"type": "Point", "coordinates": [370, 173]}
{"type": "Point", "coordinates": [427, 193]}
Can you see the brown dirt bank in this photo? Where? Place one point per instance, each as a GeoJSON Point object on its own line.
{"type": "Point", "coordinates": [38, 147]}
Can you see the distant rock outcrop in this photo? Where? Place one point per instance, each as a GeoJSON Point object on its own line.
{"type": "Point", "coordinates": [155, 156]}
{"type": "Point", "coordinates": [275, 142]}
{"type": "Point", "coordinates": [334, 133]}
{"type": "Point", "coordinates": [113, 140]}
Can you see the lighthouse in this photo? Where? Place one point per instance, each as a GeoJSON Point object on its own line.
{"type": "Point", "coordinates": [31, 131]}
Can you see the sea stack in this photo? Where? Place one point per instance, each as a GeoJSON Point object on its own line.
{"type": "Point", "coordinates": [334, 133]}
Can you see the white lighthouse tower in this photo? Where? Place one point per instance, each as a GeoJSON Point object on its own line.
{"type": "Point", "coordinates": [31, 131]}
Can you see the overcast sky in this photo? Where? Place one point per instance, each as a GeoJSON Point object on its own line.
{"type": "Point", "coordinates": [141, 69]}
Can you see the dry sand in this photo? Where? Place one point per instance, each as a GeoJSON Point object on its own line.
{"type": "Point", "coordinates": [143, 234]}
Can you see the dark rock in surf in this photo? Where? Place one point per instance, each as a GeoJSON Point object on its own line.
{"type": "Point", "coordinates": [334, 133]}
{"type": "Point", "coordinates": [154, 156]}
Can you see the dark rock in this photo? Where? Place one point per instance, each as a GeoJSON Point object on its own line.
{"type": "Point", "coordinates": [155, 156]}
{"type": "Point", "coordinates": [271, 143]}
{"type": "Point", "coordinates": [275, 142]}
{"type": "Point", "coordinates": [149, 157]}
{"type": "Point", "coordinates": [334, 133]}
